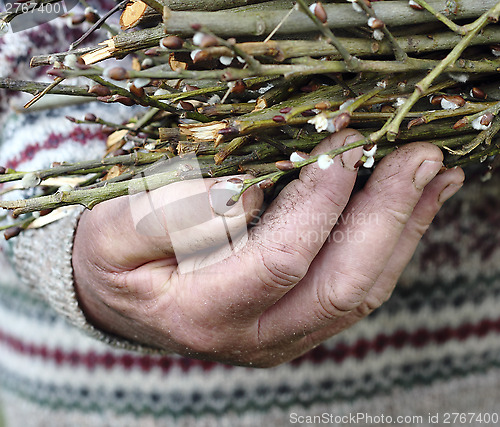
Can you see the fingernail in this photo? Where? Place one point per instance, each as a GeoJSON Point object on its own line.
{"type": "Point", "coordinates": [350, 157]}
{"type": "Point", "coordinates": [221, 194]}
{"type": "Point", "coordinates": [449, 191]}
{"type": "Point", "coordinates": [426, 172]}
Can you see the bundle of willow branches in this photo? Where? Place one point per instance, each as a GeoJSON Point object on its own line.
{"type": "Point", "coordinates": [252, 86]}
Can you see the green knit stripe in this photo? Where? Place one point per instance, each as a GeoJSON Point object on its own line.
{"type": "Point", "coordinates": [241, 399]}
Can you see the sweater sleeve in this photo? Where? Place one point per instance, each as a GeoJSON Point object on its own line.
{"type": "Point", "coordinates": [43, 259]}
{"type": "Point", "coordinates": [42, 256]}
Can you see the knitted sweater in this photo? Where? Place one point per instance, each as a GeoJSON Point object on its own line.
{"type": "Point", "coordinates": [432, 350]}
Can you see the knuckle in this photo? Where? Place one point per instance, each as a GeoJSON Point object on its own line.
{"type": "Point", "coordinates": [280, 266]}
{"type": "Point", "coordinates": [330, 305]}
{"type": "Point", "coordinates": [418, 228]}
{"type": "Point", "coordinates": [343, 297]}
{"type": "Point", "coordinates": [368, 306]}
{"type": "Point", "coordinates": [398, 216]}
{"type": "Point", "coordinates": [364, 309]}
{"type": "Point", "coordinates": [394, 200]}
{"type": "Point", "coordinates": [372, 302]}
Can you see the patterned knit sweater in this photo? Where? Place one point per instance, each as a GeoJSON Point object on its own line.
{"type": "Point", "coordinates": [432, 350]}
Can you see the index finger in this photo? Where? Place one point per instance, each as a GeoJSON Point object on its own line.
{"type": "Point", "coordinates": [292, 230]}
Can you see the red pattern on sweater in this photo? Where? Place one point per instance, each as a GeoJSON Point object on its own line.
{"type": "Point", "coordinates": [339, 353]}
{"type": "Point", "coordinates": [53, 141]}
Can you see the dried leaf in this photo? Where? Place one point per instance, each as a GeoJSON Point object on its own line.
{"type": "Point", "coordinates": [116, 137]}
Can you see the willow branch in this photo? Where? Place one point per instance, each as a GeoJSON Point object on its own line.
{"type": "Point", "coordinates": [236, 23]}
{"type": "Point", "coordinates": [452, 57]}
{"type": "Point", "coordinates": [47, 59]}
{"type": "Point", "coordinates": [284, 49]}
{"type": "Point", "coordinates": [35, 87]}
{"type": "Point", "coordinates": [226, 109]}
{"type": "Point", "coordinates": [98, 24]}
{"type": "Point", "coordinates": [494, 109]}
{"type": "Point", "coordinates": [477, 156]}
{"type": "Point", "coordinates": [399, 53]}
{"type": "Point", "coordinates": [136, 158]}
{"type": "Point", "coordinates": [209, 5]}
{"type": "Point", "coordinates": [144, 100]}
{"type": "Point", "coordinates": [445, 20]}
{"type": "Point", "coordinates": [350, 60]}
{"type": "Point", "coordinates": [468, 108]}
{"type": "Point", "coordinates": [39, 95]}
{"type": "Point", "coordinates": [275, 176]}
{"type": "Point", "coordinates": [92, 196]}
{"type": "Point", "coordinates": [259, 23]}
{"type": "Point", "coordinates": [302, 67]}
{"type": "Point", "coordinates": [484, 137]}
{"type": "Point", "coordinates": [249, 59]}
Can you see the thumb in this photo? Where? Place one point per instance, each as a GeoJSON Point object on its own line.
{"type": "Point", "coordinates": [180, 219]}
{"type": "Point", "coordinates": [194, 215]}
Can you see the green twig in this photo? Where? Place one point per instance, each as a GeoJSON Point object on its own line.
{"type": "Point", "coordinates": [452, 57]}
{"type": "Point", "coordinates": [351, 61]}
{"type": "Point", "coordinates": [446, 21]}
{"type": "Point", "coordinates": [399, 53]}
{"type": "Point", "coordinates": [275, 176]}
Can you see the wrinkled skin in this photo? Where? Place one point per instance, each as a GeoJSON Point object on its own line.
{"type": "Point", "coordinates": [318, 260]}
